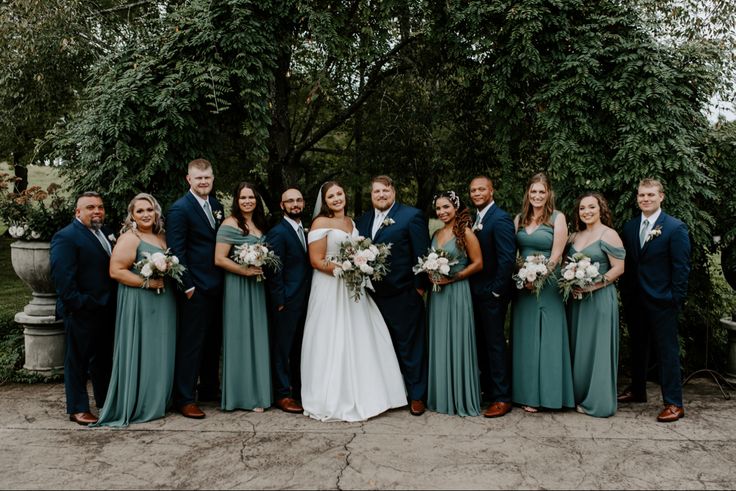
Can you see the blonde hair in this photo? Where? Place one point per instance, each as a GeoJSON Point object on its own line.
{"type": "Point", "coordinates": [527, 211]}
{"type": "Point", "coordinates": [649, 182]}
{"type": "Point", "coordinates": [129, 222]}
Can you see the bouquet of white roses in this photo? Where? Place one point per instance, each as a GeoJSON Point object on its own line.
{"type": "Point", "coordinates": [360, 261]}
{"type": "Point", "coordinates": [532, 269]}
{"type": "Point", "coordinates": [436, 263]}
{"type": "Point", "coordinates": [159, 265]}
{"type": "Point", "coordinates": [578, 272]}
{"type": "Point", "coordinates": [258, 255]}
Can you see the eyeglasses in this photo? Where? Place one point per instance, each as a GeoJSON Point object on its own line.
{"type": "Point", "coordinates": [292, 201]}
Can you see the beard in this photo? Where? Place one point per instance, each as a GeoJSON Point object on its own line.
{"type": "Point", "coordinates": [296, 216]}
{"type": "Point", "coordinates": [96, 223]}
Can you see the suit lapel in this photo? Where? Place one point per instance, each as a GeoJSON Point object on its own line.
{"type": "Point", "coordinates": [391, 214]}
{"type": "Point", "coordinates": [293, 235]}
{"type": "Point", "coordinates": [199, 210]}
{"type": "Point", "coordinates": [658, 223]}
{"type": "Point", "coordinates": [90, 236]}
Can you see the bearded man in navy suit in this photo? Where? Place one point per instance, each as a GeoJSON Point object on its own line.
{"type": "Point", "coordinates": [654, 289]}
{"type": "Point", "coordinates": [399, 294]}
{"type": "Point", "coordinates": [87, 296]}
{"type": "Point", "coordinates": [289, 294]}
{"type": "Point", "coordinates": [191, 232]}
{"type": "Point", "coordinates": [491, 289]}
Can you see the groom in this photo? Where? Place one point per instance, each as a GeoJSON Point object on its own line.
{"type": "Point", "coordinates": [399, 294]}
{"type": "Point", "coordinates": [191, 232]}
{"type": "Point", "coordinates": [653, 291]}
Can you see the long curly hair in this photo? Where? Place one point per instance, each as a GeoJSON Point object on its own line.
{"type": "Point", "coordinates": [606, 218]}
{"type": "Point", "coordinates": [259, 213]}
{"type": "Point", "coordinates": [527, 210]}
{"type": "Point", "coordinates": [462, 216]}
{"type": "Point", "coordinates": [129, 222]}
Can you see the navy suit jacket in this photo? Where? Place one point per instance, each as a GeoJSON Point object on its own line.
{"type": "Point", "coordinates": [660, 269]}
{"type": "Point", "coordinates": [191, 238]}
{"type": "Point", "coordinates": [498, 246]}
{"type": "Point", "coordinates": [409, 236]}
{"type": "Point", "coordinates": [294, 277]}
{"type": "Point", "coordinates": [80, 268]}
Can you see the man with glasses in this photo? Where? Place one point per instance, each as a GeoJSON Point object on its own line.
{"type": "Point", "coordinates": [289, 292]}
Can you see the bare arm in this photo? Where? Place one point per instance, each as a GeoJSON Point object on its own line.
{"type": "Point", "coordinates": [559, 241]}
{"type": "Point", "coordinates": [222, 257]}
{"type": "Point", "coordinates": [122, 259]}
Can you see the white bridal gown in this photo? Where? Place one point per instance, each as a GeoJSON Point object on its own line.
{"type": "Point", "coordinates": [349, 368]}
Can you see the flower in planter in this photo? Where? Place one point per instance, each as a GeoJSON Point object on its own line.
{"type": "Point", "coordinates": [35, 213]}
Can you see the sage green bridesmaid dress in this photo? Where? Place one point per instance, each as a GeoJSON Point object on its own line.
{"type": "Point", "coordinates": [143, 363]}
{"type": "Point", "coordinates": [453, 383]}
{"type": "Point", "coordinates": [246, 365]}
{"type": "Point", "coordinates": [541, 366]}
{"type": "Point", "coordinates": [594, 324]}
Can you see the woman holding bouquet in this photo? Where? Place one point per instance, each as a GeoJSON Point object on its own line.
{"type": "Point", "coordinates": [594, 309]}
{"type": "Point", "coordinates": [541, 372]}
{"type": "Point", "coordinates": [145, 322]}
{"type": "Point", "coordinates": [246, 365]}
{"type": "Point", "coordinates": [349, 368]}
{"type": "Point", "coordinates": [454, 385]}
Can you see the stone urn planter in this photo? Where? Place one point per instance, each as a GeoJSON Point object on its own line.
{"type": "Point", "coordinates": [44, 335]}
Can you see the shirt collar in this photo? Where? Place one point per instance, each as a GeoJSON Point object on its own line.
{"type": "Point", "coordinates": [385, 212]}
{"type": "Point", "coordinates": [653, 217]}
{"type": "Point", "coordinates": [200, 200]}
{"type": "Point", "coordinates": [483, 212]}
{"type": "Point", "coordinates": [293, 223]}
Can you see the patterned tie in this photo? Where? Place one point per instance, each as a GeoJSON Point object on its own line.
{"type": "Point", "coordinates": [643, 232]}
{"type": "Point", "coordinates": [103, 241]}
{"type": "Point", "coordinates": [208, 212]}
{"type": "Point", "coordinates": [300, 233]}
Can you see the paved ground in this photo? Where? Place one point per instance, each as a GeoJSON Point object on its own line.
{"type": "Point", "coordinates": [41, 449]}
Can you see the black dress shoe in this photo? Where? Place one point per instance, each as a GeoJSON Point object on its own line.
{"type": "Point", "coordinates": [629, 396]}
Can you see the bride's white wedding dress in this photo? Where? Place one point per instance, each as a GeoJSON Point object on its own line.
{"type": "Point", "coordinates": [349, 368]}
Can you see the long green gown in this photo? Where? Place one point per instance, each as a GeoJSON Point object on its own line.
{"type": "Point", "coordinates": [143, 363]}
{"type": "Point", "coordinates": [594, 338]}
{"type": "Point", "coordinates": [246, 366]}
{"type": "Point", "coordinates": [454, 384]}
{"type": "Point", "coordinates": [541, 371]}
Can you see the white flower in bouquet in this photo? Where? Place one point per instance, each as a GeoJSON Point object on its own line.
{"type": "Point", "coordinates": [359, 262]}
{"type": "Point", "coordinates": [256, 255]}
{"type": "Point", "coordinates": [532, 269]}
{"type": "Point", "coordinates": [436, 263]}
{"type": "Point", "coordinates": [578, 272]}
{"type": "Point", "coordinates": [159, 265]}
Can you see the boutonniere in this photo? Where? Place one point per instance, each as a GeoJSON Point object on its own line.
{"type": "Point", "coordinates": [218, 215]}
{"type": "Point", "coordinates": [306, 230]}
{"type": "Point", "coordinates": [656, 232]}
{"type": "Point", "coordinates": [477, 227]}
{"type": "Point", "coordinates": [111, 238]}
{"type": "Point", "coordinates": [388, 221]}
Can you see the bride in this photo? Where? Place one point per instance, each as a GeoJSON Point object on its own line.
{"type": "Point", "coordinates": [349, 367]}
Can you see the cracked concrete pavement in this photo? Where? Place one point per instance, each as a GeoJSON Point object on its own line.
{"type": "Point", "coordinates": [42, 449]}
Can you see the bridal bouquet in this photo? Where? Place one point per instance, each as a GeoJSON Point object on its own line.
{"type": "Point", "coordinates": [532, 269]}
{"type": "Point", "coordinates": [258, 255]}
{"type": "Point", "coordinates": [159, 265]}
{"type": "Point", "coordinates": [578, 272]}
{"type": "Point", "coordinates": [360, 261]}
{"type": "Point", "coordinates": [436, 263]}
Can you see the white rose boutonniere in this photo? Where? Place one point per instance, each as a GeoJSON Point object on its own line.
{"type": "Point", "coordinates": [477, 227]}
{"type": "Point", "coordinates": [112, 238]}
{"type": "Point", "coordinates": [656, 232]}
{"type": "Point", "coordinates": [388, 221]}
{"type": "Point", "coordinates": [218, 216]}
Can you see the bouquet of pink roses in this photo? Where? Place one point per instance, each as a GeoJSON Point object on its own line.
{"type": "Point", "coordinates": [360, 261]}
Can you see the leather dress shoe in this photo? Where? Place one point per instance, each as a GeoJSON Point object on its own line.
{"type": "Point", "coordinates": [289, 405]}
{"type": "Point", "coordinates": [84, 419]}
{"type": "Point", "coordinates": [629, 396]}
{"type": "Point", "coordinates": [417, 408]}
{"type": "Point", "coordinates": [191, 411]}
{"type": "Point", "coordinates": [671, 413]}
{"type": "Point", "coordinates": [497, 409]}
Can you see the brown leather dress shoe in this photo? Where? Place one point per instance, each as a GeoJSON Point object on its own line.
{"type": "Point", "coordinates": [84, 419]}
{"type": "Point", "coordinates": [629, 396]}
{"type": "Point", "coordinates": [289, 405]}
{"type": "Point", "coordinates": [671, 413]}
{"type": "Point", "coordinates": [417, 408]}
{"type": "Point", "coordinates": [497, 409]}
{"type": "Point", "coordinates": [191, 411]}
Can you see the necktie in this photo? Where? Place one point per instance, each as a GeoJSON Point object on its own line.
{"type": "Point", "coordinates": [208, 212]}
{"type": "Point", "coordinates": [300, 233]}
{"type": "Point", "coordinates": [477, 220]}
{"type": "Point", "coordinates": [377, 224]}
{"type": "Point", "coordinates": [103, 241]}
{"type": "Point", "coordinates": [643, 232]}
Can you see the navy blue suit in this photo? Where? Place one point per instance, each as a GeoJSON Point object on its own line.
{"type": "Point", "coordinates": [653, 288]}
{"type": "Point", "coordinates": [80, 267]}
{"type": "Point", "coordinates": [396, 295]}
{"type": "Point", "coordinates": [199, 341]}
{"type": "Point", "coordinates": [288, 288]}
{"type": "Point", "coordinates": [498, 246]}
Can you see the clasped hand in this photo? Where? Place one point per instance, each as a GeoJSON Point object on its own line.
{"type": "Point", "coordinates": [252, 271]}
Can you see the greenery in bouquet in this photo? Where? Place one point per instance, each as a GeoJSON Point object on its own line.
{"type": "Point", "coordinates": [360, 262]}
{"type": "Point", "coordinates": [35, 213]}
{"type": "Point", "coordinates": [160, 265]}
{"type": "Point", "coordinates": [533, 269]}
{"type": "Point", "coordinates": [579, 272]}
{"type": "Point", "coordinates": [257, 255]}
{"type": "Point", "coordinates": [436, 263]}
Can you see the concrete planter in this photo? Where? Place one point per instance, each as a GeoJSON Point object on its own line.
{"type": "Point", "coordinates": [44, 335]}
{"type": "Point", "coordinates": [731, 366]}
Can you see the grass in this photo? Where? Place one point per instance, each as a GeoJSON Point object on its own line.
{"type": "Point", "coordinates": [14, 294]}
